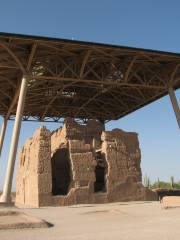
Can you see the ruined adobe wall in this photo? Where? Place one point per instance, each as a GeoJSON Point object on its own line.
{"type": "Point", "coordinates": [33, 181]}
{"type": "Point", "coordinates": [122, 155]}
{"type": "Point", "coordinates": [83, 175]}
{"type": "Point", "coordinates": [58, 139]}
{"type": "Point", "coordinates": [79, 140]}
{"type": "Point", "coordinates": [71, 130]}
{"type": "Point", "coordinates": [124, 173]}
{"type": "Point", "coordinates": [87, 132]}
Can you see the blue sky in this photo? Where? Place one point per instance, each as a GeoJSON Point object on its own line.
{"type": "Point", "coordinates": [150, 24]}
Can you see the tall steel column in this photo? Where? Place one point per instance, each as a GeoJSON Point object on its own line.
{"type": "Point", "coordinates": [3, 130]}
{"type": "Point", "coordinates": [6, 195]}
{"type": "Point", "coordinates": [174, 104]}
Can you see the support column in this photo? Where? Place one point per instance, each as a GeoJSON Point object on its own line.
{"type": "Point", "coordinates": [3, 130]}
{"type": "Point", "coordinates": [6, 195]}
{"type": "Point", "coordinates": [174, 104]}
{"type": "Point", "coordinates": [103, 123]}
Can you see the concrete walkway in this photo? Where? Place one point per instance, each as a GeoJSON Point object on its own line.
{"type": "Point", "coordinates": [115, 221]}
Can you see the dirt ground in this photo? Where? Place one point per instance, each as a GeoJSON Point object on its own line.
{"type": "Point", "coordinates": [131, 221]}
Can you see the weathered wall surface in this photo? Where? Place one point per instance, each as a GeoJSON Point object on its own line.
{"type": "Point", "coordinates": [79, 140]}
{"type": "Point", "coordinates": [123, 157]}
{"type": "Point", "coordinates": [33, 181]}
{"type": "Point", "coordinates": [88, 146]}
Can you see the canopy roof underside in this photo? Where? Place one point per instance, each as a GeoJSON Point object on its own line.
{"type": "Point", "coordinates": [81, 79]}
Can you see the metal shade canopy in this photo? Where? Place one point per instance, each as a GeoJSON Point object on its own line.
{"type": "Point", "coordinates": [81, 79]}
{"type": "Point", "coordinates": [47, 79]}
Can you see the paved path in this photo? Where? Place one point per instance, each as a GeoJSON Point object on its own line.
{"type": "Point", "coordinates": [115, 221]}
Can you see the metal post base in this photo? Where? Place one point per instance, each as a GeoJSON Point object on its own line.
{"type": "Point", "coordinates": [5, 199]}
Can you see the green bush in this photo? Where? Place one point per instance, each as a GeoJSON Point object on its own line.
{"type": "Point", "coordinates": [161, 184]}
{"type": "Point", "coordinates": [167, 185]}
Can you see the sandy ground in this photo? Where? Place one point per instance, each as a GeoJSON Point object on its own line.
{"type": "Point", "coordinates": [16, 220]}
{"type": "Point", "coordinates": [132, 221]}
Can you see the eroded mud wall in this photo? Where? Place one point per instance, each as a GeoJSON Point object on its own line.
{"type": "Point", "coordinates": [33, 181]}
{"type": "Point", "coordinates": [74, 178]}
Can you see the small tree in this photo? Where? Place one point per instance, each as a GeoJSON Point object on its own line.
{"type": "Point", "coordinates": [172, 182]}
{"type": "Point", "coordinates": [146, 181]}
{"type": "Point", "coordinates": [149, 183]}
{"type": "Point", "coordinates": [158, 183]}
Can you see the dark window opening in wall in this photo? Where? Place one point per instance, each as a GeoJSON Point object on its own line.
{"type": "Point", "coordinates": [61, 172]}
{"type": "Point", "coordinates": [100, 173]}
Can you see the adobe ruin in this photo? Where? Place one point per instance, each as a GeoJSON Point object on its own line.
{"type": "Point", "coordinates": [80, 164]}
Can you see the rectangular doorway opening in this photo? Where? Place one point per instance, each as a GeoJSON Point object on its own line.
{"type": "Point", "coordinates": [100, 173]}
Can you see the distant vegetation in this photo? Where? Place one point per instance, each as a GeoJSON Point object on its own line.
{"type": "Point", "coordinates": [161, 184]}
